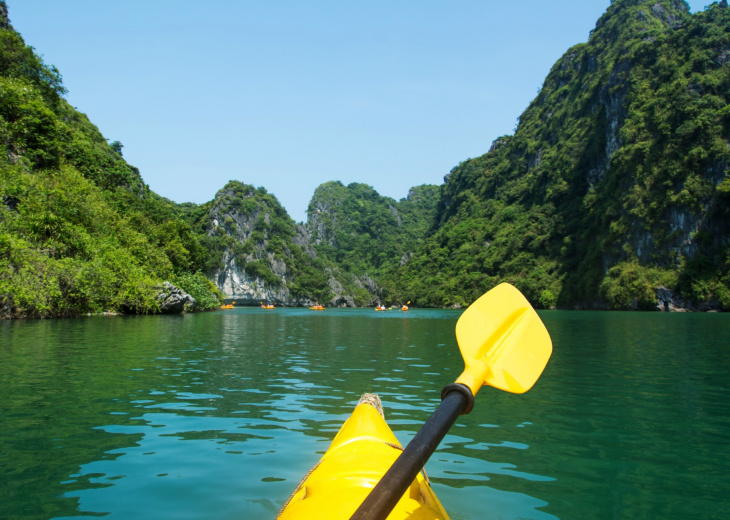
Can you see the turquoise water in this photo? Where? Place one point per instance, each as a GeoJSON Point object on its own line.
{"type": "Point", "coordinates": [219, 415]}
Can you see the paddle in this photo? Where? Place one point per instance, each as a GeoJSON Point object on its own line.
{"type": "Point", "coordinates": [505, 345]}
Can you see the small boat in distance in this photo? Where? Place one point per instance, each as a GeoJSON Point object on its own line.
{"type": "Point", "coordinates": [317, 307]}
{"type": "Point", "coordinates": [267, 306]}
{"type": "Point", "coordinates": [381, 308]}
{"type": "Point", "coordinates": [405, 307]}
{"type": "Point", "coordinates": [228, 306]}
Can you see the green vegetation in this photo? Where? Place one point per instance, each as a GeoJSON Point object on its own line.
{"type": "Point", "coordinates": [79, 230]}
{"type": "Point", "coordinates": [206, 294]}
{"type": "Point", "coordinates": [615, 182]}
{"type": "Point", "coordinates": [249, 225]}
{"type": "Point", "coordinates": [365, 233]}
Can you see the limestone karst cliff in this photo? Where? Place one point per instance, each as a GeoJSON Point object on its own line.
{"type": "Point", "coordinates": [613, 188]}
{"type": "Point", "coordinates": [258, 254]}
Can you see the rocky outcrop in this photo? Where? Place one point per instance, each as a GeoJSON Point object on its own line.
{"type": "Point", "coordinates": [341, 299]}
{"type": "Point", "coordinates": [250, 289]}
{"type": "Point", "coordinates": [248, 223]}
{"type": "Point", "coordinates": [666, 300]}
{"type": "Point", "coordinates": [266, 257]}
{"type": "Point", "coordinates": [322, 214]}
{"type": "Point", "coordinates": [303, 239]}
{"type": "Point", "coordinates": [174, 300]}
{"type": "Point", "coordinates": [369, 284]}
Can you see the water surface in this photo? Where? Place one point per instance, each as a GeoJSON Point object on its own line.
{"type": "Point", "coordinates": [219, 415]}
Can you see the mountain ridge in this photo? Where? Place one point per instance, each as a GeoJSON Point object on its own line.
{"type": "Point", "coordinates": [612, 193]}
{"type": "Point", "coordinates": [573, 238]}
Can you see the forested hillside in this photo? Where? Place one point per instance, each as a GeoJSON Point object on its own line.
{"type": "Point", "coordinates": [257, 253]}
{"type": "Point", "coordinates": [348, 253]}
{"type": "Point", "coordinates": [370, 235]}
{"type": "Point", "coordinates": [79, 230]}
{"type": "Point", "coordinates": [613, 192]}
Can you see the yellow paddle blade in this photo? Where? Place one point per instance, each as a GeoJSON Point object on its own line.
{"type": "Point", "coordinates": [503, 342]}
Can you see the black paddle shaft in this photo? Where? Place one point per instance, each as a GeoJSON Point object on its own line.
{"type": "Point", "coordinates": [386, 494]}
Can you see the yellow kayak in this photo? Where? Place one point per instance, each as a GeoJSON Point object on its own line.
{"type": "Point", "coordinates": [358, 457]}
{"type": "Point", "coordinates": [504, 344]}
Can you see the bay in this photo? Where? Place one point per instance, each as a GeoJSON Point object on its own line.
{"type": "Point", "coordinates": [219, 415]}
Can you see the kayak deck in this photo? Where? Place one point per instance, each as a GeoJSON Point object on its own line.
{"type": "Point", "coordinates": [358, 457]}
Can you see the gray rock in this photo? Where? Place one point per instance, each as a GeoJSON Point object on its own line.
{"type": "Point", "coordinates": [174, 300]}
{"type": "Point", "coordinates": [666, 300]}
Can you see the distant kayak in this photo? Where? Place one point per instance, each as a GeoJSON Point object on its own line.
{"type": "Point", "coordinates": [229, 306]}
{"type": "Point", "coordinates": [267, 307]}
{"type": "Point", "coordinates": [317, 308]}
{"type": "Point", "coordinates": [380, 308]}
{"type": "Point", "coordinates": [358, 457]}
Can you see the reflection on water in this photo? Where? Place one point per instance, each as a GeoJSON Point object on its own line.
{"type": "Point", "coordinates": [219, 415]}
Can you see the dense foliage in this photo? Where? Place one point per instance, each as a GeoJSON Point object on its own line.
{"type": "Point", "coordinates": [615, 182]}
{"type": "Point", "coordinates": [613, 187]}
{"type": "Point", "coordinates": [79, 230]}
{"type": "Point", "coordinates": [367, 234]}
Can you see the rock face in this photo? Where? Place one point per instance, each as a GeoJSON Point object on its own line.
{"type": "Point", "coordinates": [266, 257]}
{"type": "Point", "coordinates": [323, 215]}
{"type": "Point", "coordinates": [336, 259]}
{"type": "Point", "coordinates": [174, 300]}
{"type": "Point", "coordinates": [367, 234]}
{"type": "Point", "coordinates": [250, 289]}
{"type": "Point", "coordinates": [249, 272]}
{"type": "Point", "coordinates": [666, 300]}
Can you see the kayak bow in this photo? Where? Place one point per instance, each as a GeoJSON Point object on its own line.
{"type": "Point", "coordinates": [357, 459]}
{"type": "Point", "coordinates": [504, 344]}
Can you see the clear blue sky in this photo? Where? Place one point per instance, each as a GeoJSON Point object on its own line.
{"type": "Point", "coordinates": [288, 95]}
